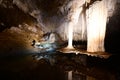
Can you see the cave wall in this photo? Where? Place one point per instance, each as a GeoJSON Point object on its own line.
{"type": "Point", "coordinates": [112, 40]}
{"type": "Point", "coordinates": [54, 16]}
{"type": "Point", "coordinates": [11, 15]}
{"type": "Point", "coordinates": [17, 30]}
{"type": "Point", "coordinates": [51, 15]}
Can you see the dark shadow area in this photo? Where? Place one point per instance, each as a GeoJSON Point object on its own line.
{"type": "Point", "coordinates": [57, 65]}
{"type": "Point", "coordinates": [80, 45]}
{"type": "Point", "coordinates": [23, 67]}
{"type": "Point", "coordinates": [112, 39]}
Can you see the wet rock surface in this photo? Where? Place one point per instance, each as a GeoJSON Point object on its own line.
{"type": "Point", "coordinates": [19, 39]}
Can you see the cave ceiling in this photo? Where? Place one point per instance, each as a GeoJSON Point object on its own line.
{"type": "Point", "coordinates": [44, 11]}
{"type": "Point", "coordinates": [47, 10]}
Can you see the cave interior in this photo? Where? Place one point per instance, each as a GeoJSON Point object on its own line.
{"type": "Point", "coordinates": [34, 35]}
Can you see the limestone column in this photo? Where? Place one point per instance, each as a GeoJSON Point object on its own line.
{"type": "Point", "coordinates": [96, 26]}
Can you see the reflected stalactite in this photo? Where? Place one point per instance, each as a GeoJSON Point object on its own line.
{"type": "Point", "coordinates": [70, 75]}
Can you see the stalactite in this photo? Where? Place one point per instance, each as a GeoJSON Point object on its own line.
{"type": "Point", "coordinates": [73, 10]}
{"type": "Point", "coordinates": [96, 26]}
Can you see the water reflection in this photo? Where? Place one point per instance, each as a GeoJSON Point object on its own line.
{"type": "Point", "coordinates": [56, 66]}
{"type": "Point", "coordinates": [79, 67]}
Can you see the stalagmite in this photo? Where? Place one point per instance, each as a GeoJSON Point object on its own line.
{"type": "Point", "coordinates": [96, 26]}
